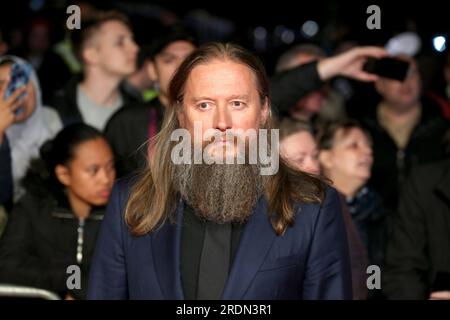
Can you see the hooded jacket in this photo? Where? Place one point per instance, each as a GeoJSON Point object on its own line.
{"type": "Point", "coordinates": [43, 238]}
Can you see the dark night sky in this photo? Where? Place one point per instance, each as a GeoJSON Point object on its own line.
{"type": "Point", "coordinates": [430, 16]}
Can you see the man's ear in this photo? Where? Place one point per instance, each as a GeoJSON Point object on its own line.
{"type": "Point", "coordinates": [63, 175]}
{"type": "Point", "coordinates": [151, 71]}
{"type": "Point", "coordinates": [265, 111]}
{"type": "Point", "coordinates": [325, 159]}
{"type": "Point", "coordinates": [90, 55]}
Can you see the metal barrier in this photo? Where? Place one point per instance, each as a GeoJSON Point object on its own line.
{"type": "Point", "coordinates": [12, 291]}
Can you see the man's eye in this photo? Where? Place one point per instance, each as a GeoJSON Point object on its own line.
{"type": "Point", "coordinates": [204, 105]}
{"type": "Point", "coordinates": [237, 104]}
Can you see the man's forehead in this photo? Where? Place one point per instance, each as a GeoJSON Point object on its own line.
{"type": "Point", "coordinates": [107, 31]}
{"type": "Point", "coordinates": [222, 77]}
{"type": "Point", "coordinates": [196, 98]}
{"type": "Point", "coordinates": [113, 28]}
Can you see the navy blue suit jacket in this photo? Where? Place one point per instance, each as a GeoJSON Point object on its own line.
{"type": "Point", "coordinates": [310, 261]}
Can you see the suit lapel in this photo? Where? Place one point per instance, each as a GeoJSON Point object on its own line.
{"type": "Point", "coordinates": [166, 256]}
{"type": "Point", "coordinates": [256, 240]}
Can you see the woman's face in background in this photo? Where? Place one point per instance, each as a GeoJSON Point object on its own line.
{"type": "Point", "coordinates": [300, 150]}
{"type": "Point", "coordinates": [91, 173]}
{"type": "Point", "coordinates": [351, 155]}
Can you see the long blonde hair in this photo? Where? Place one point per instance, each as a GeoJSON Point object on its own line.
{"type": "Point", "coordinates": [153, 199]}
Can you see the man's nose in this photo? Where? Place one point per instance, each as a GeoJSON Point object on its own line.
{"type": "Point", "coordinates": [222, 119]}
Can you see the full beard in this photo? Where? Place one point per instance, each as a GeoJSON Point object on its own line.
{"type": "Point", "coordinates": [221, 193]}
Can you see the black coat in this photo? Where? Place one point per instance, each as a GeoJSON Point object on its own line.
{"type": "Point", "coordinates": [40, 241]}
{"type": "Point", "coordinates": [6, 184]}
{"type": "Point", "coordinates": [391, 165]}
{"type": "Point", "coordinates": [127, 132]}
{"type": "Point", "coordinates": [419, 246]}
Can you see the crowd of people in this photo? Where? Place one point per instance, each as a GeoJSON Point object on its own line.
{"type": "Point", "coordinates": [65, 137]}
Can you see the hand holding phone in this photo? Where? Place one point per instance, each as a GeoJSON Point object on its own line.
{"type": "Point", "coordinates": [19, 77]}
{"type": "Point", "coordinates": [8, 107]}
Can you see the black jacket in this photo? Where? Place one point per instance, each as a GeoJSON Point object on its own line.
{"type": "Point", "coordinates": [53, 74]}
{"type": "Point", "coordinates": [65, 102]}
{"type": "Point", "coordinates": [6, 185]}
{"type": "Point", "coordinates": [420, 241]}
{"type": "Point", "coordinates": [391, 165]}
{"type": "Point", "coordinates": [127, 132]}
{"type": "Point", "coordinates": [368, 215]}
{"type": "Point", "coordinates": [40, 242]}
{"type": "Point", "coordinates": [288, 87]}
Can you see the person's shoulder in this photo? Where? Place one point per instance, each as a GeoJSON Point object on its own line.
{"type": "Point", "coordinates": [34, 206]}
{"type": "Point", "coordinates": [332, 199]}
{"type": "Point", "coordinates": [52, 120]}
{"type": "Point", "coordinates": [64, 100]}
{"type": "Point", "coordinates": [36, 183]}
{"type": "Point", "coordinates": [328, 198]}
{"type": "Point", "coordinates": [311, 216]}
{"type": "Point", "coordinates": [69, 89]}
{"type": "Point", "coordinates": [134, 109]}
{"type": "Point", "coordinates": [124, 185]}
{"type": "Point", "coordinates": [432, 119]}
{"type": "Point", "coordinates": [129, 114]}
{"type": "Point", "coordinates": [123, 188]}
{"type": "Point", "coordinates": [428, 175]}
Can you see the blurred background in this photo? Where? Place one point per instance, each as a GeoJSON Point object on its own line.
{"type": "Point", "coordinates": [268, 27]}
{"type": "Point", "coordinates": [400, 125]}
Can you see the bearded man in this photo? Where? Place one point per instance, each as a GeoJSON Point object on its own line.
{"type": "Point", "coordinates": [220, 230]}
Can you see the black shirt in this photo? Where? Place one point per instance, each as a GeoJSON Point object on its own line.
{"type": "Point", "coordinates": [192, 236]}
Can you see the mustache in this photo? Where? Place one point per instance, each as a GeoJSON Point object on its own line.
{"type": "Point", "coordinates": [216, 136]}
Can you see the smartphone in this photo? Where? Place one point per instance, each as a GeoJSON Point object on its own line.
{"type": "Point", "coordinates": [20, 76]}
{"type": "Point", "coordinates": [391, 68]}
